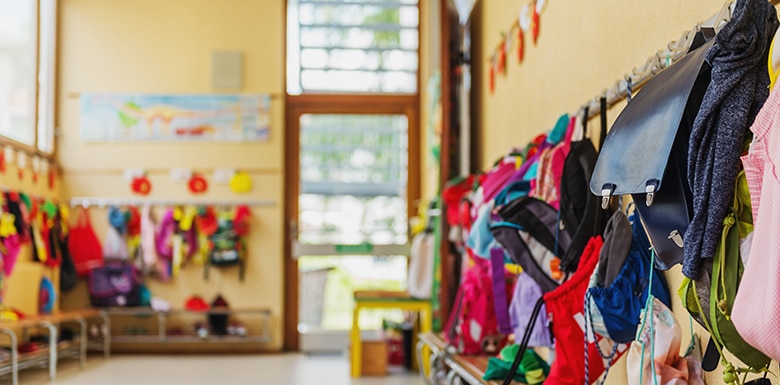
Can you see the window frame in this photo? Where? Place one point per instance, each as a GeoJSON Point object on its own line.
{"type": "Point", "coordinates": [34, 148]}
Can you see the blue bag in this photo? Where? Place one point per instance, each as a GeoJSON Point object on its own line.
{"type": "Point", "coordinates": [618, 288]}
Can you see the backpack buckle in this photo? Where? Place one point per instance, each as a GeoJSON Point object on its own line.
{"type": "Point", "coordinates": [606, 194]}
{"type": "Point", "coordinates": [677, 238]}
{"type": "Point", "coordinates": [650, 188]}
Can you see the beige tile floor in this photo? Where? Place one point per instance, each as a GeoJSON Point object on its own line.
{"type": "Point", "coordinates": [288, 369]}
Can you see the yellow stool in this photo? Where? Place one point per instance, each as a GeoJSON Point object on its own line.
{"type": "Point", "coordinates": [385, 300]}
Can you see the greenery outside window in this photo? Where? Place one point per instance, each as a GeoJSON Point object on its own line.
{"type": "Point", "coordinates": [355, 46]}
{"type": "Point", "coordinates": [27, 54]}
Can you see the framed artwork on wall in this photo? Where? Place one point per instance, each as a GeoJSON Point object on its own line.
{"type": "Point", "coordinates": [175, 118]}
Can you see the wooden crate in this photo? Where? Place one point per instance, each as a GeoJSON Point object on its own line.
{"type": "Point", "coordinates": [374, 360]}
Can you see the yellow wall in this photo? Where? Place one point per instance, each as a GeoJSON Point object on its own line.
{"type": "Point", "coordinates": [583, 48]}
{"type": "Point", "coordinates": [153, 46]}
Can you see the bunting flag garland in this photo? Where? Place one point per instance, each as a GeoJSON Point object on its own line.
{"type": "Point", "coordinates": [535, 21]}
{"type": "Point", "coordinates": [528, 20]}
{"type": "Point", "coordinates": [52, 177]}
{"type": "Point", "coordinates": [520, 45]}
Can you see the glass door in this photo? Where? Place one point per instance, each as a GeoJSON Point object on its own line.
{"type": "Point", "coordinates": [352, 222]}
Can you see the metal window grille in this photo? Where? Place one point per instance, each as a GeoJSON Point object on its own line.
{"type": "Point", "coordinates": [353, 46]}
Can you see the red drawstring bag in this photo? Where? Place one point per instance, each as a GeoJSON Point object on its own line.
{"type": "Point", "coordinates": [84, 245]}
{"type": "Point", "coordinates": [565, 308]}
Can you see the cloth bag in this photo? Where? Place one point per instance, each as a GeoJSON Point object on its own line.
{"type": "Point", "coordinates": [670, 368]}
{"type": "Point", "coordinates": [114, 246]}
{"type": "Point", "coordinates": [565, 309]}
{"type": "Point", "coordinates": [617, 291]}
{"type": "Point", "coordinates": [114, 284]}
{"type": "Point", "coordinates": [710, 297]}
{"type": "Point", "coordinates": [84, 245]}
{"type": "Point", "coordinates": [526, 293]}
{"type": "Point", "coordinates": [645, 152]}
{"type": "Point", "coordinates": [421, 266]}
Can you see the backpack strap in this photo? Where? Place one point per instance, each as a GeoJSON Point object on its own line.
{"type": "Point", "coordinates": [585, 118]}
{"type": "Point", "coordinates": [524, 342]}
{"type": "Point", "coordinates": [452, 321]}
{"type": "Point", "coordinates": [500, 301]}
{"type": "Point", "coordinates": [603, 114]}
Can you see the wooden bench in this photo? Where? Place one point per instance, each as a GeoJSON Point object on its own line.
{"type": "Point", "coordinates": [50, 355]}
{"type": "Point", "coordinates": [470, 369]}
{"type": "Point", "coordinates": [386, 300]}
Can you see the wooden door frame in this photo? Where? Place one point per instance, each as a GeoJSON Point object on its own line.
{"type": "Point", "coordinates": [297, 105]}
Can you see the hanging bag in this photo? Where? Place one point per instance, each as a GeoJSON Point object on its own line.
{"type": "Point", "coordinates": [228, 250]}
{"type": "Point", "coordinates": [421, 255]}
{"type": "Point", "coordinates": [84, 245]}
{"type": "Point", "coordinates": [530, 234]}
{"type": "Point", "coordinates": [564, 305]}
{"type": "Point", "coordinates": [59, 245]}
{"type": "Point", "coordinates": [472, 327]}
{"type": "Point", "coordinates": [551, 161]}
{"type": "Point", "coordinates": [526, 293]}
{"type": "Point", "coordinates": [114, 284]}
{"type": "Point", "coordinates": [665, 338]}
{"type": "Point", "coordinates": [580, 211]}
{"type": "Point", "coordinates": [710, 297]}
{"type": "Point", "coordinates": [617, 291]}
{"type": "Point", "coordinates": [645, 153]}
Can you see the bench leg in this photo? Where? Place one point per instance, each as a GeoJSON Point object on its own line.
{"type": "Point", "coordinates": [357, 349]}
{"type": "Point", "coordinates": [451, 375]}
{"type": "Point", "coordinates": [426, 326]}
{"type": "Point", "coordinates": [14, 354]}
{"type": "Point", "coordinates": [426, 377]}
{"type": "Point", "coordinates": [52, 349]}
{"type": "Point", "coordinates": [436, 362]}
{"type": "Point", "coordinates": [83, 342]}
{"type": "Point", "coordinates": [106, 327]}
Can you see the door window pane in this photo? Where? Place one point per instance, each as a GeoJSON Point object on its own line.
{"type": "Point", "coordinates": [353, 179]}
{"type": "Point", "coordinates": [352, 46]}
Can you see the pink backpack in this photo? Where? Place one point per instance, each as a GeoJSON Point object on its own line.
{"type": "Point", "coordinates": [472, 327]}
{"type": "Point", "coordinates": [547, 184]}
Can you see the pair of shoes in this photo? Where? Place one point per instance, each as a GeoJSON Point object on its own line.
{"type": "Point", "coordinates": [201, 329]}
{"type": "Point", "coordinates": [236, 329]}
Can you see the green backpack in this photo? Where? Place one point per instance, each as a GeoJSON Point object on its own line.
{"type": "Point", "coordinates": [710, 297]}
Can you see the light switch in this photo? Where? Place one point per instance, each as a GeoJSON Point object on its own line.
{"type": "Point", "coordinates": [227, 70]}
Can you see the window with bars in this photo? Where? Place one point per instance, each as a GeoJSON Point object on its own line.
{"type": "Point", "coordinates": [27, 52]}
{"type": "Point", "coordinates": [359, 46]}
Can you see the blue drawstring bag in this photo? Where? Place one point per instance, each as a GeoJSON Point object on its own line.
{"type": "Point", "coordinates": [618, 288]}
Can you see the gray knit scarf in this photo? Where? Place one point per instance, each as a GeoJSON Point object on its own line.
{"type": "Point", "coordinates": [738, 89]}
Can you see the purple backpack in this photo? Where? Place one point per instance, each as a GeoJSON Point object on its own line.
{"type": "Point", "coordinates": [527, 293]}
{"type": "Point", "coordinates": [114, 284]}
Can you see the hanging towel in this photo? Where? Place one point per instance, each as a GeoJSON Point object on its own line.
{"type": "Point", "coordinates": [738, 90]}
{"type": "Point", "coordinates": [148, 246]}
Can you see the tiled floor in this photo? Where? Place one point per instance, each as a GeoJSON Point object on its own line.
{"type": "Point", "coordinates": [287, 369]}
